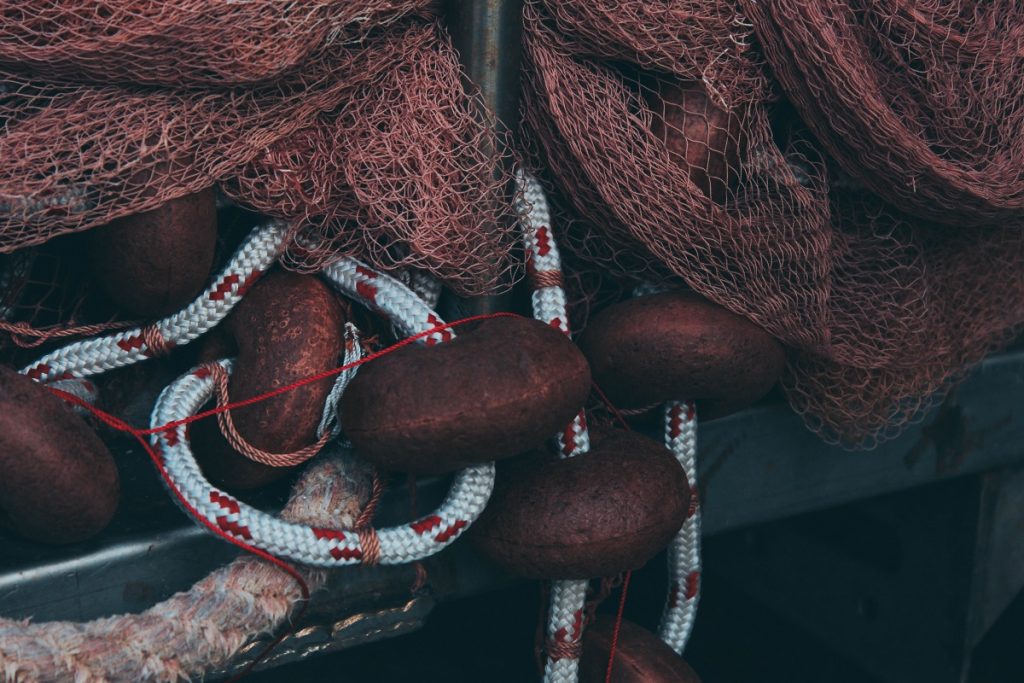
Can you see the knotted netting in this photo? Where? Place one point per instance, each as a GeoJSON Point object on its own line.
{"type": "Point", "coordinates": [678, 155]}
{"type": "Point", "coordinates": [352, 120]}
{"type": "Point", "coordinates": [919, 100]}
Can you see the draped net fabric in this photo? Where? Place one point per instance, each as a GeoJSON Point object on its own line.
{"type": "Point", "coordinates": [870, 217]}
{"type": "Point", "coordinates": [350, 119]}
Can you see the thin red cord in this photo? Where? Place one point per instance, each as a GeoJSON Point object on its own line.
{"type": "Point", "coordinates": [121, 425]}
{"type": "Point", "coordinates": [618, 625]}
{"type": "Point", "coordinates": [141, 434]}
{"type": "Point", "coordinates": [625, 582]}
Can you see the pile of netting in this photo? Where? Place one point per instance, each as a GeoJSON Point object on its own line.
{"type": "Point", "coordinates": [867, 207]}
{"type": "Point", "coordinates": [349, 119]}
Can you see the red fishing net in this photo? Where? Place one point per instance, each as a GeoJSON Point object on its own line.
{"type": "Point", "coordinates": [349, 119]}
{"type": "Point", "coordinates": [409, 173]}
{"type": "Point", "coordinates": [187, 42]}
{"type": "Point", "coordinates": [659, 124]}
{"type": "Point", "coordinates": [919, 100]}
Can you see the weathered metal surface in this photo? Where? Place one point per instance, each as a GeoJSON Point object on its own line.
{"type": "Point", "coordinates": [884, 582]}
{"type": "Point", "coordinates": [762, 464]}
{"type": "Point", "coordinates": [998, 572]}
{"type": "Point", "coordinates": [906, 585]}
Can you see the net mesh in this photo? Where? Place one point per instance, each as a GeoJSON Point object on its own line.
{"type": "Point", "coordinates": [920, 101]}
{"type": "Point", "coordinates": [409, 174]}
{"type": "Point", "coordinates": [678, 157]}
{"type": "Point", "coordinates": [349, 119]}
{"type": "Point", "coordinates": [183, 43]}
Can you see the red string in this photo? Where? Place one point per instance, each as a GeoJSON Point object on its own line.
{"type": "Point", "coordinates": [121, 425]}
{"type": "Point", "coordinates": [625, 582]}
{"type": "Point", "coordinates": [141, 434]}
{"type": "Point", "coordinates": [618, 626]}
{"type": "Point", "coordinates": [611, 406]}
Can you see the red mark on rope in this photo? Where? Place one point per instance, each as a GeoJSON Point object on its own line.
{"type": "Point", "coordinates": [543, 241]}
{"type": "Point", "coordinates": [563, 634]}
{"type": "Point", "coordinates": [446, 335]}
{"type": "Point", "coordinates": [345, 553]}
{"type": "Point", "coordinates": [366, 272]}
{"type": "Point", "coordinates": [169, 432]}
{"type": "Point", "coordinates": [675, 423]}
{"type": "Point", "coordinates": [224, 287]}
{"type": "Point", "coordinates": [451, 532]}
{"type": "Point", "coordinates": [171, 436]}
{"type": "Point", "coordinates": [130, 343]}
{"type": "Point", "coordinates": [234, 528]}
{"type": "Point", "coordinates": [426, 524]}
{"type": "Point", "coordinates": [249, 282]}
{"type": "Point", "coordinates": [38, 372]}
{"type": "Point", "coordinates": [692, 585]}
{"type": "Point", "coordinates": [569, 435]}
{"type": "Point", "coordinates": [367, 291]}
{"type": "Point", "coordinates": [329, 534]}
{"type": "Point", "coordinates": [225, 501]}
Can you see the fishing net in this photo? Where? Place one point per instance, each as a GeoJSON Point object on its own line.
{"type": "Point", "coordinates": [184, 43]}
{"type": "Point", "coordinates": [920, 101]}
{"type": "Point", "coordinates": [678, 158]}
{"type": "Point", "coordinates": [351, 120]}
{"type": "Point", "coordinates": [409, 174]}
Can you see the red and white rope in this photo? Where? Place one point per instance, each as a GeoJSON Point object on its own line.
{"type": "Point", "coordinates": [330, 420]}
{"type": "Point", "coordinates": [544, 268]}
{"type": "Point", "coordinates": [684, 551]}
{"type": "Point", "coordinates": [387, 296]}
{"type": "Point", "coordinates": [303, 543]}
{"type": "Point", "coordinates": [684, 563]}
{"type": "Point", "coordinates": [310, 545]}
{"type": "Point", "coordinates": [94, 356]}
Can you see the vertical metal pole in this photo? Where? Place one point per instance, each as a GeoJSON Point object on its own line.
{"type": "Point", "coordinates": [487, 34]}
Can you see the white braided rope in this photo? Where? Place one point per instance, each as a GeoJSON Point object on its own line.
{"type": "Point", "coordinates": [80, 388]}
{"type": "Point", "coordinates": [565, 625]}
{"type": "Point", "coordinates": [387, 296]}
{"type": "Point", "coordinates": [73, 200]}
{"type": "Point", "coordinates": [330, 421]}
{"type": "Point", "coordinates": [424, 284]}
{"type": "Point", "coordinates": [565, 620]}
{"type": "Point", "coordinates": [303, 543]}
{"type": "Point", "coordinates": [684, 563]}
{"type": "Point", "coordinates": [94, 356]}
{"type": "Point", "coordinates": [684, 551]}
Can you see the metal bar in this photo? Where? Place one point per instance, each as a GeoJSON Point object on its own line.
{"type": "Point", "coordinates": [487, 34]}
